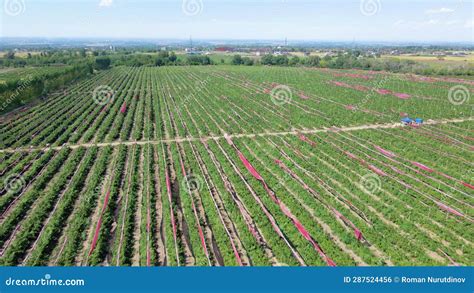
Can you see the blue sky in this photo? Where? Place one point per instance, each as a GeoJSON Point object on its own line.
{"type": "Point", "coordinates": [330, 20]}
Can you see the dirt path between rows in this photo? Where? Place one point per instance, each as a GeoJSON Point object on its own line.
{"type": "Point", "coordinates": [243, 135]}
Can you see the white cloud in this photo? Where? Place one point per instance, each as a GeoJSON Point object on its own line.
{"type": "Point", "coordinates": [431, 22]}
{"type": "Point", "coordinates": [439, 10]}
{"type": "Point", "coordinates": [453, 22]}
{"type": "Point", "coordinates": [469, 24]}
{"type": "Point", "coordinates": [399, 22]}
{"type": "Point", "coordinates": [106, 3]}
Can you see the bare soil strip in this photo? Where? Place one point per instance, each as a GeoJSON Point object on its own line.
{"type": "Point", "coordinates": [246, 135]}
{"type": "Point", "coordinates": [160, 237]}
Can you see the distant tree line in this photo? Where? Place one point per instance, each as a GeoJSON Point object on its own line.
{"type": "Point", "coordinates": [238, 60]}
{"type": "Point", "coordinates": [44, 58]}
{"type": "Point", "coordinates": [163, 58]}
{"type": "Point", "coordinates": [102, 63]}
{"type": "Point", "coordinates": [16, 93]}
{"type": "Point", "coordinates": [166, 58]}
{"type": "Point", "coordinates": [197, 60]}
{"type": "Point", "coordinates": [354, 61]}
{"type": "Point", "coordinates": [104, 59]}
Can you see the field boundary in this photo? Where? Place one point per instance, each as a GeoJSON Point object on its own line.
{"type": "Point", "coordinates": [241, 135]}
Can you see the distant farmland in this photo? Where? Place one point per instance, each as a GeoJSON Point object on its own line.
{"type": "Point", "coordinates": [437, 62]}
{"type": "Point", "coordinates": [240, 166]}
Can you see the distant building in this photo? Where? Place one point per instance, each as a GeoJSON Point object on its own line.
{"type": "Point", "coordinates": [261, 51]}
{"type": "Point", "coordinates": [192, 51]}
{"type": "Point", "coordinates": [224, 49]}
{"type": "Point", "coordinates": [459, 54]}
{"type": "Point", "coordinates": [280, 53]}
{"type": "Point", "coordinates": [330, 54]}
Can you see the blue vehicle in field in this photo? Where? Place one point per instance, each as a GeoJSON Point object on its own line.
{"type": "Point", "coordinates": [412, 122]}
{"type": "Point", "coordinates": [419, 121]}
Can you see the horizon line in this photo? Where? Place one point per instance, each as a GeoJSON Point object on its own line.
{"type": "Point", "coordinates": [464, 42]}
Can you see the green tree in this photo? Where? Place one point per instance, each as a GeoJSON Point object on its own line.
{"type": "Point", "coordinates": [172, 57]}
{"type": "Point", "coordinates": [267, 60]}
{"type": "Point", "coordinates": [313, 61]}
{"type": "Point", "coordinates": [159, 62]}
{"type": "Point", "coordinates": [102, 63]}
{"type": "Point", "coordinates": [248, 61]}
{"type": "Point", "coordinates": [295, 60]}
{"type": "Point", "coordinates": [237, 60]}
{"type": "Point", "coordinates": [281, 60]}
{"type": "Point", "coordinates": [164, 54]}
{"type": "Point", "coordinates": [10, 55]}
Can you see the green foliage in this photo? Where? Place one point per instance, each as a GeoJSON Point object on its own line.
{"type": "Point", "coordinates": [102, 63]}
{"type": "Point", "coordinates": [313, 61]}
{"type": "Point", "coordinates": [281, 60]}
{"type": "Point", "coordinates": [166, 58]}
{"type": "Point", "coordinates": [198, 60]}
{"type": "Point", "coordinates": [18, 92]}
{"type": "Point", "coordinates": [172, 112]}
{"type": "Point", "coordinates": [237, 60]}
{"type": "Point", "coordinates": [10, 55]}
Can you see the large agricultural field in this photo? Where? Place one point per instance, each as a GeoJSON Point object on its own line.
{"type": "Point", "coordinates": [437, 61]}
{"type": "Point", "coordinates": [240, 166]}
